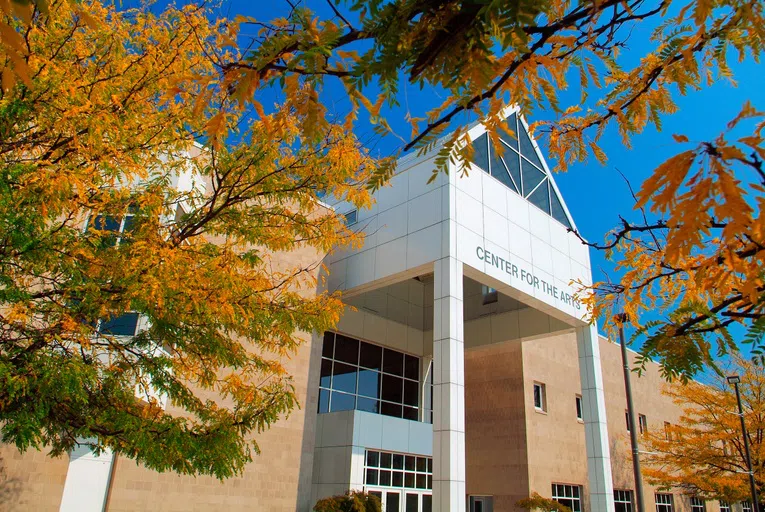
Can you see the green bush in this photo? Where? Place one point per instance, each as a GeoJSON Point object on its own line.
{"type": "Point", "coordinates": [537, 502]}
{"type": "Point", "coordinates": [354, 501]}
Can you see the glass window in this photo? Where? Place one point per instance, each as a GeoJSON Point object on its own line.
{"type": "Point", "coordinates": [540, 400]}
{"type": "Point", "coordinates": [369, 383]}
{"type": "Point", "coordinates": [412, 367]}
{"type": "Point", "coordinates": [623, 501]}
{"type": "Point", "coordinates": [481, 152]}
{"type": "Point", "coordinates": [697, 504]}
{"type": "Point", "coordinates": [393, 362]}
{"type": "Point", "coordinates": [556, 209]}
{"type": "Point", "coordinates": [531, 177]}
{"type": "Point", "coordinates": [724, 506]}
{"type": "Point", "coordinates": [627, 419]}
{"type": "Point", "coordinates": [342, 402]}
{"type": "Point", "coordinates": [568, 495]}
{"type": "Point", "coordinates": [346, 349]}
{"type": "Point", "coordinates": [663, 502]}
{"type": "Point", "coordinates": [412, 502]}
{"type": "Point", "coordinates": [373, 459]}
{"type": "Point", "coordinates": [527, 148]}
{"type": "Point", "coordinates": [498, 168]}
{"type": "Point", "coordinates": [323, 401]}
{"type": "Point", "coordinates": [328, 348]}
{"type": "Point", "coordinates": [427, 503]}
{"type": "Point", "coordinates": [392, 500]}
{"type": "Point", "coordinates": [352, 367]}
{"type": "Point", "coordinates": [344, 378]}
{"type": "Point", "coordinates": [642, 424]}
{"type": "Point", "coordinates": [579, 407]}
{"type": "Point", "coordinates": [541, 197]}
{"type": "Point", "coordinates": [122, 325]}
{"type": "Point", "coordinates": [351, 217]}
{"type": "Point", "coordinates": [370, 356]}
{"type": "Point", "coordinates": [746, 506]}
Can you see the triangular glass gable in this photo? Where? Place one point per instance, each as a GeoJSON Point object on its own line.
{"type": "Point", "coordinates": [498, 168]}
{"type": "Point", "coordinates": [520, 168]}
{"type": "Point", "coordinates": [527, 148]}
{"type": "Point", "coordinates": [557, 210]}
{"type": "Point", "coordinates": [531, 177]}
{"type": "Point", "coordinates": [481, 152]}
{"type": "Point", "coordinates": [541, 197]}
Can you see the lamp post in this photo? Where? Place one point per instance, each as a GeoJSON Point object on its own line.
{"type": "Point", "coordinates": [620, 320]}
{"type": "Point", "coordinates": [735, 379]}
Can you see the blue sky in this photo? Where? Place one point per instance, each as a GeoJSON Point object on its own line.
{"type": "Point", "coordinates": [595, 194]}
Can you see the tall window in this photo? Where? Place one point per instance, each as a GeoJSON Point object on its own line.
{"type": "Point", "coordinates": [115, 231]}
{"type": "Point", "coordinates": [697, 504]}
{"type": "Point", "coordinates": [623, 500]}
{"type": "Point", "coordinates": [579, 408]}
{"type": "Point", "coordinates": [668, 431]}
{"type": "Point", "coordinates": [746, 506]}
{"type": "Point", "coordinates": [568, 495]}
{"type": "Point", "coordinates": [642, 424]}
{"type": "Point", "coordinates": [627, 419]}
{"type": "Point", "coordinates": [367, 377]}
{"type": "Point", "coordinates": [663, 502]}
{"type": "Point", "coordinates": [724, 506]}
{"type": "Point", "coordinates": [540, 398]}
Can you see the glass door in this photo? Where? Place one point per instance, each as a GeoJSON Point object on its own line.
{"type": "Point", "coordinates": [392, 501]}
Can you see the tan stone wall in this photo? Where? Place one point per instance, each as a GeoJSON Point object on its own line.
{"type": "Point", "coordinates": [495, 432]}
{"type": "Point", "coordinates": [30, 481]}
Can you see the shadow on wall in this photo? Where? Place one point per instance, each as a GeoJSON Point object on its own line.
{"type": "Point", "coordinates": [10, 489]}
{"type": "Point", "coordinates": [621, 463]}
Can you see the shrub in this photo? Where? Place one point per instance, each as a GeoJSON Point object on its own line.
{"type": "Point", "coordinates": [354, 501]}
{"type": "Point", "coordinates": [537, 502]}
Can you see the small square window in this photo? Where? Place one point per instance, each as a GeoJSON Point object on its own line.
{"type": "Point", "coordinates": [540, 397]}
{"type": "Point", "coordinates": [351, 217]}
{"type": "Point", "coordinates": [664, 502]}
{"type": "Point", "coordinates": [579, 415]}
{"type": "Point", "coordinates": [724, 506]}
{"type": "Point", "coordinates": [490, 295]}
{"type": "Point", "coordinates": [697, 504]}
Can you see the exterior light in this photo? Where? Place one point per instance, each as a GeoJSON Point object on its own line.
{"type": "Point", "coordinates": [734, 379]}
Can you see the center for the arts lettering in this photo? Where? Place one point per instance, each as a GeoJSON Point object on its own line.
{"type": "Point", "coordinates": [522, 274]}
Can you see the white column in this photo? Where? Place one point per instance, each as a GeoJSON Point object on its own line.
{"type": "Point", "coordinates": [448, 388]}
{"type": "Point", "coordinates": [87, 480]}
{"type": "Point", "coordinates": [595, 426]}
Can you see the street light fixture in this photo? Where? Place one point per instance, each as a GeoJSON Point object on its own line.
{"type": "Point", "coordinates": [735, 380]}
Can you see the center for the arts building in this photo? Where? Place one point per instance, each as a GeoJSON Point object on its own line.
{"type": "Point", "coordinates": [462, 376]}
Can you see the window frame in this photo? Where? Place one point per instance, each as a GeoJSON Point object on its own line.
{"type": "Point", "coordinates": [542, 407]}
{"type": "Point", "coordinates": [624, 497]}
{"type": "Point", "coordinates": [662, 506]}
{"type": "Point", "coordinates": [575, 495]}
{"type": "Point", "coordinates": [698, 504]}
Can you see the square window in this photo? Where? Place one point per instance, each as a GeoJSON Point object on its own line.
{"type": "Point", "coordinates": [392, 388]}
{"type": "Point", "coordinates": [663, 502]}
{"type": "Point", "coordinates": [568, 495]}
{"type": "Point", "coordinates": [724, 506]}
{"type": "Point", "coordinates": [346, 349]}
{"type": "Point", "coordinates": [351, 217]}
{"type": "Point", "coordinates": [369, 383]}
{"type": "Point", "coordinates": [623, 501]}
{"type": "Point", "coordinates": [344, 378]}
{"type": "Point", "coordinates": [398, 479]}
{"type": "Point", "coordinates": [373, 459]}
{"type": "Point", "coordinates": [342, 402]}
{"type": "Point", "coordinates": [370, 356]}
{"type": "Point", "coordinates": [697, 504]}
{"type": "Point", "coordinates": [410, 413]}
{"type": "Point", "coordinates": [409, 463]}
{"type": "Point", "coordinates": [368, 405]}
{"type": "Point", "coordinates": [746, 506]}
{"type": "Point", "coordinates": [389, 409]}
{"type": "Point", "coordinates": [385, 477]}
{"type": "Point", "coordinates": [393, 362]}
{"type": "Point", "coordinates": [422, 464]}
{"type": "Point", "coordinates": [372, 477]}
{"type": "Point", "coordinates": [540, 398]}
{"type": "Point", "coordinates": [386, 460]}
{"type": "Point", "coordinates": [398, 461]}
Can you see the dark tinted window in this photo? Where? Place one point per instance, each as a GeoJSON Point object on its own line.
{"type": "Point", "coordinates": [123, 325]}
{"type": "Point", "coordinates": [346, 349]}
{"type": "Point", "coordinates": [531, 177]}
{"type": "Point", "coordinates": [393, 362]}
{"type": "Point", "coordinates": [411, 367]}
{"type": "Point", "coordinates": [323, 401]}
{"type": "Point", "coordinates": [527, 149]}
{"type": "Point", "coordinates": [368, 405]}
{"type": "Point", "coordinates": [371, 356]}
{"type": "Point", "coordinates": [329, 345]}
{"type": "Point", "coordinates": [342, 402]}
{"type": "Point", "coordinates": [411, 393]}
{"type": "Point", "coordinates": [392, 388]}
{"type": "Point", "coordinates": [344, 378]}
{"type": "Point", "coordinates": [389, 409]}
{"type": "Point", "coordinates": [369, 383]}
{"type": "Point", "coordinates": [481, 152]}
{"type": "Point", "coordinates": [541, 198]}
{"type": "Point", "coordinates": [326, 373]}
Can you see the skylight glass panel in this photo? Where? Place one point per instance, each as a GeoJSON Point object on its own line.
{"type": "Point", "coordinates": [531, 177]}
{"type": "Point", "coordinates": [527, 148]}
{"type": "Point", "coordinates": [541, 197]}
{"type": "Point", "coordinates": [481, 152]}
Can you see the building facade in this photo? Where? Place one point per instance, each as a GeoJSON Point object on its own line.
{"type": "Point", "coordinates": [462, 376]}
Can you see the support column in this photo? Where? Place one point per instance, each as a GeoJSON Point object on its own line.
{"type": "Point", "coordinates": [595, 426]}
{"type": "Point", "coordinates": [87, 480]}
{"type": "Point", "coordinates": [448, 388]}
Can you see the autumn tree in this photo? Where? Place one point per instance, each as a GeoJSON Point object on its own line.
{"type": "Point", "coordinates": [695, 260]}
{"type": "Point", "coordinates": [704, 454]}
{"type": "Point", "coordinates": [110, 215]}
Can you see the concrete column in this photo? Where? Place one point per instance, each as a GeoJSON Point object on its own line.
{"type": "Point", "coordinates": [448, 388]}
{"type": "Point", "coordinates": [595, 426]}
{"type": "Point", "coordinates": [87, 480]}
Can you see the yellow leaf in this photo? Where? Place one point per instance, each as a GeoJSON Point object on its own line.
{"type": "Point", "coordinates": [679, 138]}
